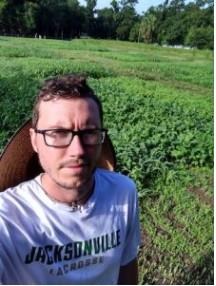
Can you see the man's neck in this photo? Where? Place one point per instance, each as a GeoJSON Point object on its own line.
{"type": "Point", "coordinates": [75, 196]}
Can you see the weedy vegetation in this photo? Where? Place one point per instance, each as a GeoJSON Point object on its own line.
{"type": "Point", "coordinates": [158, 105]}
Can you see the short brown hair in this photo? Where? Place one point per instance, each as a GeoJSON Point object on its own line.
{"type": "Point", "coordinates": [67, 87]}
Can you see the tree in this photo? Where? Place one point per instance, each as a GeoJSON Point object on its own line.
{"type": "Point", "coordinates": [147, 28]}
{"type": "Point", "coordinates": [204, 3]}
{"type": "Point", "coordinates": [2, 7]}
{"type": "Point", "coordinates": [130, 3]}
{"type": "Point", "coordinates": [30, 11]}
{"type": "Point", "coordinates": [59, 18]}
{"type": "Point", "coordinates": [12, 17]}
{"type": "Point", "coordinates": [127, 17]}
{"type": "Point", "coordinates": [45, 21]}
{"type": "Point", "coordinates": [74, 23]}
{"type": "Point", "coordinates": [115, 6]}
{"type": "Point", "coordinates": [134, 32]}
{"type": "Point", "coordinates": [176, 6]}
{"type": "Point", "coordinates": [105, 24]}
{"type": "Point", "coordinates": [200, 37]}
{"type": "Point", "coordinates": [90, 19]}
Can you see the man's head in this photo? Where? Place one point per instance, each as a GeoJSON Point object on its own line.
{"type": "Point", "coordinates": [69, 86]}
{"type": "Point", "coordinates": [67, 130]}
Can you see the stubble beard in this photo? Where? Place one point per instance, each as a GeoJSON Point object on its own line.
{"type": "Point", "coordinates": [77, 184]}
{"type": "Point", "coordinates": [77, 188]}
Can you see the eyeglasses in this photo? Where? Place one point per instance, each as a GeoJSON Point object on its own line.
{"type": "Point", "coordinates": [63, 137]}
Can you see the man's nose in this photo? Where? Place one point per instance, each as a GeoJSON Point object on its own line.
{"type": "Point", "coordinates": [76, 147]}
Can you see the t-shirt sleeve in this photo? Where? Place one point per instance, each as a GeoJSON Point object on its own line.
{"type": "Point", "coordinates": [1, 258]}
{"type": "Point", "coordinates": [1, 269]}
{"type": "Point", "coordinates": [132, 241]}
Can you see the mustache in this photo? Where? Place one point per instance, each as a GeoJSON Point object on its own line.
{"type": "Point", "coordinates": [74, 162]}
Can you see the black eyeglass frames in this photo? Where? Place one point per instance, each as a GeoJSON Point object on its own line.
{"type": "Point", "coordinates": [64, 137]}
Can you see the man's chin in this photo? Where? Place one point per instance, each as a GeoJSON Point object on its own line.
{"type": "Point", "coordinates": [72, 185]}
{"type": "Point", "coordinates": [74, 182]}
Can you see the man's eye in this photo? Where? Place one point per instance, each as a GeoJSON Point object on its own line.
{"type": "Point", "coordinates": [90, 132]}
{"type": "Point", "coordinates": [58, 133]}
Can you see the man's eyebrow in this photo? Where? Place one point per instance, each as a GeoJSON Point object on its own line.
{"type": "Point", "coordinates": [87, 126]}
{"type": "Point", "coordinates": [56, 127]}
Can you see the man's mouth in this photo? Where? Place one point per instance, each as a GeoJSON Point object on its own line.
{"type": "Point", "coordinates": [77, 166]}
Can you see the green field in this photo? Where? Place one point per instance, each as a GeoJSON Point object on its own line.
{"type": "Point", "coordinates": [158, 105]}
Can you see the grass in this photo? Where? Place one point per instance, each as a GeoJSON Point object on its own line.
{"type": "Point", "coordinates": [158, 108]}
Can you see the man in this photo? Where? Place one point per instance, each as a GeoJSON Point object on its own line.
{"type": "Point", "coordinates": [74, 223]}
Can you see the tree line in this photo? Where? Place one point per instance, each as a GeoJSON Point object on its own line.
{"type": "Point", "coordinates": [172, 23]}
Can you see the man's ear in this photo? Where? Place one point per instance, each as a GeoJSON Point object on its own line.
{"type": "Point", "coordinates": [33, 139]}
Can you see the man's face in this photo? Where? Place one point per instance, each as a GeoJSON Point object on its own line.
{"type": "Point", "coordinates": [69, 167]}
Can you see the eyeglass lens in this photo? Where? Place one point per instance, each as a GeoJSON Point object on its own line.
{"type": "Point", "coordinates": [64, 137]}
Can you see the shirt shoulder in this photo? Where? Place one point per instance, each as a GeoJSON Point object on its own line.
{"type": "Point", "coordinates": [115, 177]}
{"type": "Point", "coordinates": [17, 195]}
{"type": "Point", "coordinates": [115, 181]}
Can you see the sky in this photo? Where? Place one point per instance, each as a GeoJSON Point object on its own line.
{"type": "Point", "coordinates": [142, 5]}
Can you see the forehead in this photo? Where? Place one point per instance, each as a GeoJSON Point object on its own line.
{"type": "Point", "coordinates": [69, 111]}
